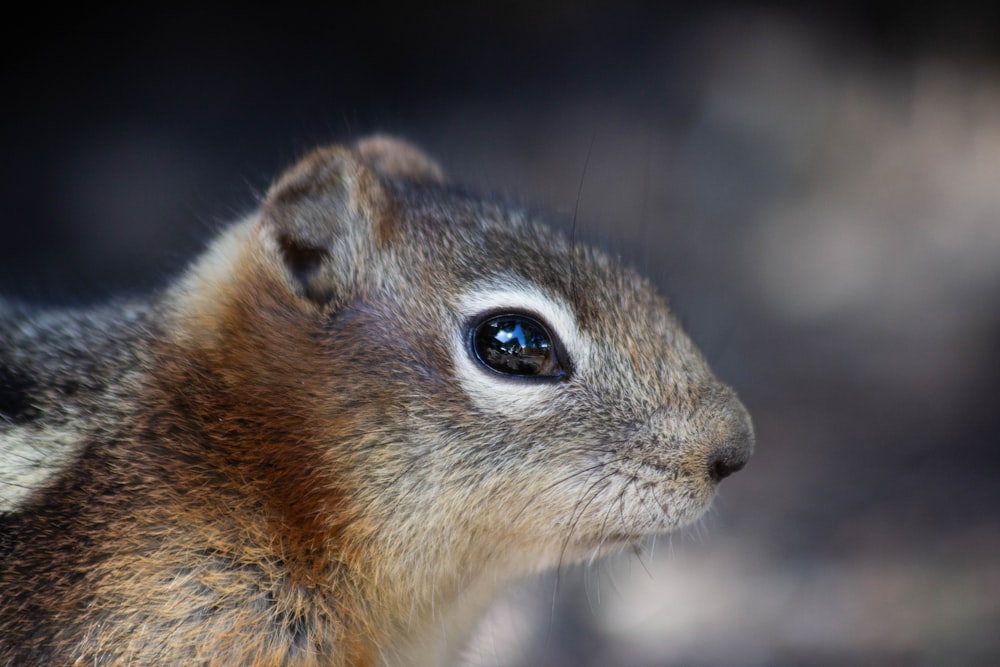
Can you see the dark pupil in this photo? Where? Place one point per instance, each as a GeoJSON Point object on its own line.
{"type": "Point", "coordinates": [514, 344]}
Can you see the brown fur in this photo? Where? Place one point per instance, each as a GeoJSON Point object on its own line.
{"type": "Point", "coordinates": [294, 472]}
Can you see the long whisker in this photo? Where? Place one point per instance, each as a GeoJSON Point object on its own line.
{"type": "Point", "coordinates": [637, 551]}
{"type": "Point", "coordinates": [563, 480]}
{"type": "Point", "coordinates": [575, 517]}
{"type": "Point", "coordinates": [595, 490]}
{"type": "Point", "coordinates": [576, 209]}
{"type": "Point", "coordinates": [603, 533]}
{"type": "Point", "coordinates": [597, 550]}
{"type": "Point", "coordinates": [641, 495]}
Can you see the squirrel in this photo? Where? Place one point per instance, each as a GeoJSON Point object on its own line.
{"type": "Point", "coordinates": [341, 430]}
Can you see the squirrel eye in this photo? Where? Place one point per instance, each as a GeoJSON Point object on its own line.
{"type": "Point", "coordinates": [515, 344]}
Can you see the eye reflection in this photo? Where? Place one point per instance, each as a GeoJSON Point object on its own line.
{"type": "Point", "coordinates": [515, 344]}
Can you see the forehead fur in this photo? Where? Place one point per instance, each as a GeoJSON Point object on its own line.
{"type": "Point", "coordinates": [453, 241]}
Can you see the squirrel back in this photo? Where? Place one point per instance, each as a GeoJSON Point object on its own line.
{"type": "Point", "coordinates": [362, 410]}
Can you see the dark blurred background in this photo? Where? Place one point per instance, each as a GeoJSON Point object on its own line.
{"type": "Point", "coordinates": [818, 192]}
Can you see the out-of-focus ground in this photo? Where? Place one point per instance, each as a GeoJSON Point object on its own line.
{"type": "Point", "coordinates": [820, 198]}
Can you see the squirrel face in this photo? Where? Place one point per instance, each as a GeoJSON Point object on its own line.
{"type": "Point", "coordinates": [358, 413]}
{"type": "Point", "coordinates": [480, 387]}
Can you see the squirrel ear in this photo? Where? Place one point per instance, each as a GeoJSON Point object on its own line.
{"type": "Point", "coordinates": [322, 213]}
{"type": "Point", "coordinates": [335, 205]}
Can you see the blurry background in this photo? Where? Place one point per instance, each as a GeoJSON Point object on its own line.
{"type": "Point", "coordinates": [817, 192]}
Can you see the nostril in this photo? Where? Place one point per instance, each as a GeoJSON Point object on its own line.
{"type": "Point", "coordinates": [722, 467]}
{"type": "Point", "coordinates": [733, 441]}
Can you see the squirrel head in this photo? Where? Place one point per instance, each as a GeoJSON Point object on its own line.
{"type": "Point", "coordinates": [483, 392]}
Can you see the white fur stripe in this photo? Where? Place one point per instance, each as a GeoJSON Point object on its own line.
{"type": "Point", "coordinates": [28, 461]}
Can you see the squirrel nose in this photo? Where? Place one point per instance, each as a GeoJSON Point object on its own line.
{"type": "Point", "coordinates": [735, 448]}
{"type": "Point", "coordinates": [725, 463]}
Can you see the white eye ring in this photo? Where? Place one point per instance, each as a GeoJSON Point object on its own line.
{"type": "Point", "coordinates": [500, 393]}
